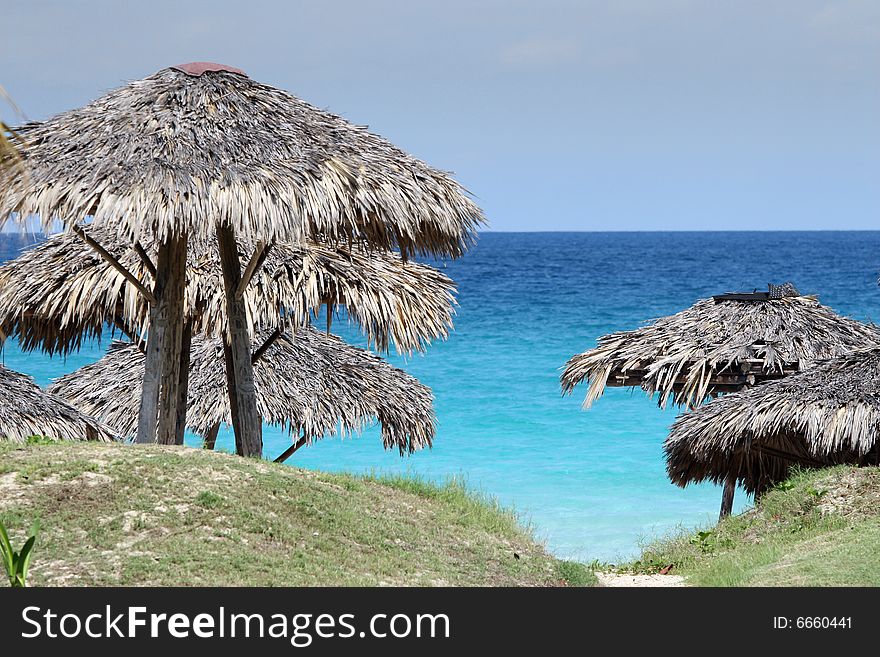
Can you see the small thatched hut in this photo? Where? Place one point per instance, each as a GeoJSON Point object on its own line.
{"type": "Point", "coordinates": [719, 345]}
{"type": "Point", "coordinates": [826, 415]}
{"type": "Point", "coordinates": [312, 383]}
{"type": "Point", "coordinates": [26, 410]}
{"type": "Point", "coordinates": [60, 291]}
{"type": "Point", "coordinates": [202, 151]}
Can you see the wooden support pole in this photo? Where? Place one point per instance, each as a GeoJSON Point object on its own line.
{"type": "Point", "coordinates": [253, 266]}
{"type": "Point", "coordinates": [113, 262]}
{"type": "Point", "coordinates": [231, 392]}
{"type": "Point", "coordinates": [172, 343]}
{"type": "Point", "coordinates": [149, 408]}
{"type": "Point", "coordinates": [145, 258]}
{"type": "Point", "coordinates": [263, 348]}
{"type": "Point", "coordinates": [287, 453]}
{"type": "Point", "coordinates": [794, 458]}
{"type": "Point", "coordinates": [246, 421]}
{"type": "Point", "coordinates": [729, 486]}
{"type": "Point", "coordinates": [183, 386]}
{"type": "Point", "coordinates": [727, 497]}
{"type": "Point", "coordinates": [211, 437]}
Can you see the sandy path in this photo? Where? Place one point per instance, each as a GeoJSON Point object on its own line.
{"type": "Point", "coordinates": [614, 579]}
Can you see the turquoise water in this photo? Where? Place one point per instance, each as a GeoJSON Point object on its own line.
{"type": "Point", "coordinates": [592, 483]}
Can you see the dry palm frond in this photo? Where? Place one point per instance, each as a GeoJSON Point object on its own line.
{"type": "Point", "coordinates": [10, 143]}
{"type": "Point", "coordinates": [827, 414]}
{"type": "Point", "coordinates": [10, 151]}
{"type": "Point", "coordinates": [26, 410]}
{"type": "Point", "coordinates": [191, 146]}
{"type": "Point", "coordinates": [718, 346]}
{"type": "Point", "coordinates": [61, 291]}
{"type": "Point", "coordinates": [312, 383]}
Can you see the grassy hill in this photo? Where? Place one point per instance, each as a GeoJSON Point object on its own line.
{"type": "Point", "coordinates": [819, 528]}
{"type": "Point", "coordinates": [148, 515]}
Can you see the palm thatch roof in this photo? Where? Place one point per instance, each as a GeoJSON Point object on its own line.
{"type": "Point", "coordinates": [190, 146]}
{"type": "Point", "coordinates": [718, 345]}
{"type": "Point", "coordinates": [312, 383]}
{"type": "Point", "coordinates": [61, 291]}
{"type": "Point", "coordinates": [27, 410]}
{"type": "Point", "coordinates": [825, 415]}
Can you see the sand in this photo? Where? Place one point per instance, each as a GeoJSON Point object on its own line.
{"type": "Point", "coordinates": [615, 579]}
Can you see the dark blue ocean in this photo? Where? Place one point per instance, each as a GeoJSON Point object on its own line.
{"type": "Point", "coordinates": [591, 483]}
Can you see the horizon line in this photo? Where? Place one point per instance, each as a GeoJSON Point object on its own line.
{"type": "Point", "coordinates": [690, 230]}
{"type": "Point", "coordinates": [5, 230]}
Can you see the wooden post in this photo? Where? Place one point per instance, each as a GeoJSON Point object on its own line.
{"type": "Point", "coordinates": [145, 258]}
{"type": "Point", "coordinates": [172, 342]}
{"type": "Point", "coordinates": [253, 266]}
{"type": "Point", "coordinates": [246, 421]}
{"type": "Point", "coordinates": [263, 348]}
{"type": "Point", "coordinates": [146, 431]}
{"type": "Point", "coordinates": [727, 497]}
{"type": "Point", "coordinates": [159, 395]}
{"type": "Point", "coordinates": [211, 437]}
{"type": "Point", "coordinates": [729, 486]}
{"type": "Point", "coordinates": [113, 262]}
{"type": "Point", "coordinates": [229, 364]}
{"type": "Point", "coordinates": [287, 453]}
{"type": "Point", "coordinates": [149, 409]}
{"type": "Point", "coordinates": [183, 386]}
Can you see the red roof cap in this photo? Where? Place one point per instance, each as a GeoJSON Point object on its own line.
{"type": "Point", "coordinates": [197, 68]}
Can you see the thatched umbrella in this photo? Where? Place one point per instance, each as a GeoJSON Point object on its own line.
{"type": "Point", "coordinates": [60, 291]}
{"type": "Point", "coordinates": [201, 150]}
{"type": "Point", "coordinates": [822, 416]}
{"type": "Point", "coordinates": [312, 383]}
{"type": "Point", "coordinates": [27, 410]}
{"type": "Point", "coordinates": [718, 345]}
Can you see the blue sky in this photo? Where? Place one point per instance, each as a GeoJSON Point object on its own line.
{"type": "Point", "coordinates": [591, 115]}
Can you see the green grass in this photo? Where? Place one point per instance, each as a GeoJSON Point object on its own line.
{"type": "Point", "coordinates": [819, 528]}
{"type": "Point", "coordinates": [148, 515]}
